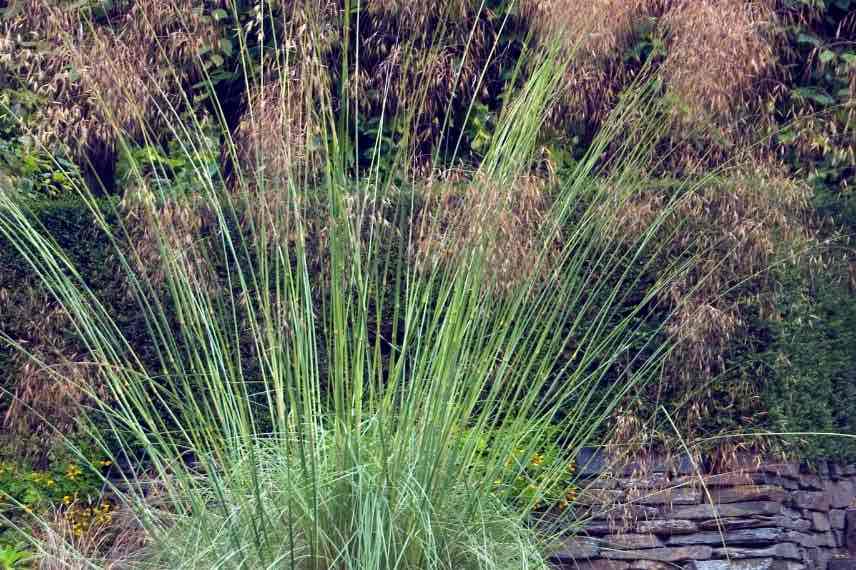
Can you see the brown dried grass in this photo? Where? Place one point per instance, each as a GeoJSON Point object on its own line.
{"type": "Point", "coordinates": [596, 35]}
{"type": "Point", "coordinates": [272, 135]}
{"type": "Point", "coordinates": [121, 72]}
{"type": "Point", "coordinates": [458, 220]}
{"type": "Point", "coordinates": [176, 226]}
{"type": "Point", "coordinates": [719, 51]}
{"type": "Point", "coordinates": [52, 379]}
{"type": "Point", "coordinates": [116, 544]}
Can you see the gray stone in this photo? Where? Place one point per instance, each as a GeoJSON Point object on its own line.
{"type": "Point", "coordinates": [683, 464]}
{"type": "Point", "coordinates": [599, 527]}
{"type": "Point", "coordinates": [653, 481]}
{"type": "Point", "coordinates": [604, 482]}
{"type": "Point", "coordinates": [682, 496]}
{"type": "Point", "coordinates": [757, 521]}
{"type": "Point", "coordinates": [634, 512]}
{"type": "Point", "coordinates": [850, 531]}
{"type": "Point", "coordinates": [839, 538]}
{"type": "Point", "coordinates": [819, 558]}
{"type": "Point", "coordinates": [730, 523]}
{"type": "Point", "coordinates": [811, 481]}
{"type": "Point", "coordinates": [680, 464]}
{"type": "Point", "coordinates": [784, 482]}
{"type": "Point", "coordinates": [841, 493]}
{"type": "Point", "coordinates": [599, 497]}
{"type": "Point", "coordinates": [783, 550]}
{"type": "Point", "coordinates": [678, 554]}
{"type": "Point", "coordinates": [695, 512]}
{"type": "Point", "coordinates": [801, 538]}
{"type": "Point", "coordinates": [820, 521]}
{"type": "Point", "coordinates": [650, 565]}
{"type": "Point", "coordinates": [850, 469]}
{"type": "Point", "coordinates": [825, 539]}
{"type": "Point", "coordinates": [632, 541]}
{"type": "Point", "coordinates": [591, 462]}
{"type": "Point", "coordinates": [719, 480]}
{"type": "Point", "coordinates": [667, 526]}
{"type": "Point", "coordinates": [745, 493]}
{"type": "Point", "coordinates": [811, 500]}
{"type": "Point", "coordinates": [727, 479]}
{"type": "Point", "coordinates": [836, 471]}
{"type": "Point", "coordinates": [749, 536]}
{"type": "Point", "coordinates": [792, 513]}
{"type": "Point", "coordinates": [593, 565]}
{"type": "Point", "coordinates": [801, 525]}
{"type": "Point", "coordinates": [791, 470]}
{"type": "Point", "coordinates": [841, 564]}
{"type": "Point", "coordinates": [836, 519]}
{"type": "Point", "coordinates": [576, 548]}
{"type": "Point", "coordinates": [747, 564]}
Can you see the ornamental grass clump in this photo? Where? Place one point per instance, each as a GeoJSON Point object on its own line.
{"type": "Point", "coordinates": [310, 396]}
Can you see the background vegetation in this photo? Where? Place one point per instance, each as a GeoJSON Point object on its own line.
{"type": "Point", "coordinates": [762, 110]}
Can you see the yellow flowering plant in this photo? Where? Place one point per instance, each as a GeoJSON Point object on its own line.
{"type": "Point", "coordinates": [25, 489]}
{"type": "Point", "coordinates": [543, 477]}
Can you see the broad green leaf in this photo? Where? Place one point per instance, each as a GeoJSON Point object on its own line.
{"type": "Point", "coordinates": [813, 94]}
{"type": "Point", "coordinates": [805, 38]}
{"type": "Point", "coordinates": [826, 56]}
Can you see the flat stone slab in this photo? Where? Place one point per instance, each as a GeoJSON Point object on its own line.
{"type": "Point", "coordinates": [748, 564]}
{"type": "Point", "coordinates": [811, 500]}
{"type": "Point", "coordinates": [809, 540]}
{"type": "Point", "coordinates": [842, 564]}
{"type": "Point", "coordinates": [820, 521]}
{"type": "Point", "coordinates": [677, 496]}
{"type": "Point", "coordinates": [850, 531]}
{"type": "Point", "coordinates": [653, 481]}
{"type": "Point", "coordinates": [811, 481]}
{"type": "Point", "coordinates": [696, 512]}
{"type": "Point", "coordinates": [836, 519]}
{"type": "Point", "coordinates": [841, 494]}
{"type": "Point", "coordinates": [576, 548]}
{"type": "Point", "coordinates": [745, 493]}
{"type": "Point", "coordinates": [758, 521]}
{"type": "Point", "coordinates": [600, 497]}
{"type": "Point", "coordinates": [748, 536]}
{"type": "Point", "coordinates": [724, 479]}
{"type": "Point", "coordinates": [667, 527]}
{"type": "Point", "coordinates": [676, 554]}
{"type": "Point", "coordinates": [624, 541]}
{"type": "Point", "coordinates": [594, 565]}
{"type": "Point", "coordinates": [783, 550]}
{"type": "Point", "coordinates": [650, 565]}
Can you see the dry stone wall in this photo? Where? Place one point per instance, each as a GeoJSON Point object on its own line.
{"type": "Point", "coordinates": [671, 514]}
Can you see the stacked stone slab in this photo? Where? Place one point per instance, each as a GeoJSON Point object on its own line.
{"type": "Point", "coordinates": [672, 514]}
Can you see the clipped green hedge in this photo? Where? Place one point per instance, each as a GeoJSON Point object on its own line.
{"type": "Point", "coordinates": [813, 362]}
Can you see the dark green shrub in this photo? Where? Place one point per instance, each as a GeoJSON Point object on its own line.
{"type": "Point", "coordinates": [812, 359]}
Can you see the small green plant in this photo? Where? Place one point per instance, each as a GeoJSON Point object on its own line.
{"type": "Point", "coordinates": [11, 558]}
